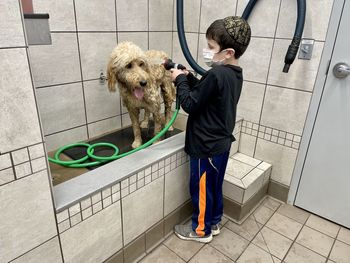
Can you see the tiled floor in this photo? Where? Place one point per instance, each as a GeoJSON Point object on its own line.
{"type": "Point", "coordinates": [274, 233]}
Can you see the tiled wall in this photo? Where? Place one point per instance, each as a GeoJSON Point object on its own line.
{"type": "Point", "coordinates": [28, 231]}
{"type": "Point", "coordinates": [274, 104]}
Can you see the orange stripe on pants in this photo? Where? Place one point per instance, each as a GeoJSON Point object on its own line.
{"type": "Point", "coordinates": [202, 204]}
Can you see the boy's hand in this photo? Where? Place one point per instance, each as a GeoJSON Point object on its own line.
{"type": "Point", "coordinates": [177, 72]}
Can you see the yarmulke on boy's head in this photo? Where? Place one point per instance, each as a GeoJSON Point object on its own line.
{"type": "Point", "coordinates": [238, 29]}
{"type": "Point", "coordinates": [230, 32]}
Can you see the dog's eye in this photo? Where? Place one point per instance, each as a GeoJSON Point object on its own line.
{"type": "Point", "coordinates": [129, 65]}
{"type": "Point", "coordinates": [141, 64]}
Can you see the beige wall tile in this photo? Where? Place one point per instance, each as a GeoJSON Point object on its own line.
{"type": "Point", "coordinates": [145, 201]}
{"type": "Point", "coordinates": [62, 138]}
{"type": "Point", "coordinates": [315, 27]}
{"type": "Point", "coordinates": [95, 16]}
{"type": "Point", "coordinates": [247, 144]}
{"type": "Point", "coordinates": [100, 102]}
{"type": "Point", "coordinates": [61, 107]}
{"type": "Point", "coordinates": [263, 18]}
{"type": "Point", "coordinates": [11, 24]}
{"type": "Point", "coordinates": [95, 49]}
{"type": "Point", "coordinates": [28, 213]}
{"type": "Point", "coordinates": [161, 41]}
{"type": "Point", "coordinates": [57, 63]}
{"type": "Point", "coordinates": [285, 109]}
{"type": "Point", "coordinates": [61, 13]}
{"type": "Point", "coordinates": [47, 252]}
{"type": "Point", "coordinates": [95, 239]}
{"type": "Point", "coordinates": [176, 188]}
{"type": "Point", "coordinates": [104, 126]}
{"type": "Point", "coordinates": [160, 15]}
{"type": "Point", "coordinates": [302, 73]}
{"type": "Point", "coordinates": [213, 10]}
{"type": "Point", "coordinates": [135, 11]}
{"type": "Point", "coordinates": [282, 159]}
{"type": "Point", "coordinates": [18, 112]}
{"type": "Point", "coordinates": [250, 102]}
{"type": "Point", "coordinates": [191, 16]}
{"type": "Point", "coordinates": [138, 38]}
{"type": "Point", "coordinates": [192, 40]}
{"type": "Point", "coordinates": [255, 61]}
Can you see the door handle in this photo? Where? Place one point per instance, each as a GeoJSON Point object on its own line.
{"type": "Point", "coordinates": [341, 70]}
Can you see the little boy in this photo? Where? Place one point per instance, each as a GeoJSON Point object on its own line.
{"type": "Point", "coordinates": [211, 104]}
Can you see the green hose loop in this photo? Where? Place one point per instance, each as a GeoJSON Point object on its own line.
{"type": "Point", "coordinates": [80, 163]}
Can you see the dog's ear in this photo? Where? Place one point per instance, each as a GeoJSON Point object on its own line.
{"type": "Point", "coordinates": [111, 76]}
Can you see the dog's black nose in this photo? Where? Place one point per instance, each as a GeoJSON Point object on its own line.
{"type": "Point", "coordinates": [143, 83]}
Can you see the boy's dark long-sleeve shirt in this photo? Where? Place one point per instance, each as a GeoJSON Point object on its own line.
{"type": "Point", "coordinates": [211, 103]}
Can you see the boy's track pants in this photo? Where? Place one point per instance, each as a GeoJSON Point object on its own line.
{"type": "Point", "coordinates": [206, 179]}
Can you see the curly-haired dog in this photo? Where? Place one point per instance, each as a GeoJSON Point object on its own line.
{"type": "Point", "coordinates": [142, 82]}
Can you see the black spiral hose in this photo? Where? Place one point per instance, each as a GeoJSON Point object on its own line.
{"type": "Point", "coordinates": [299, 28]}
{"type": "Point", "coordinates": [182, 38]}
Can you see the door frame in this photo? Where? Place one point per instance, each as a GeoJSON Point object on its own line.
{"type": "Point", "coordinates": [320, 82]}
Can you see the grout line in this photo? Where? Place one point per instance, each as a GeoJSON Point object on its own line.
{"type": "Point", "coordinates": [81, 70]}
{"type": "Point", "coordinates": [267, 76]}
{"type": "Point", "coordinates": [12, 260]}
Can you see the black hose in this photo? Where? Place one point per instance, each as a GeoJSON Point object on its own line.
{"type": "Point", "coordinates": [299, 28]}
{"type": "Point", "coordinates": [182, 38]}
{"type": "Point", "coordinates": [294, 46]}
{"type": "Point", "coordinates": [292, 49]}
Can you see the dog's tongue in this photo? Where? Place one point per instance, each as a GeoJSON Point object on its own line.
{"type": "Point", "coordinates": [138, 92]}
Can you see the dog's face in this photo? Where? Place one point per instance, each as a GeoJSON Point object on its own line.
{"type": "Point", "coordinates": [128, 65]}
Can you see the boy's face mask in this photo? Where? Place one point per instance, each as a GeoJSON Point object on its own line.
{"type": "Point", "coordinates": [208, 56]}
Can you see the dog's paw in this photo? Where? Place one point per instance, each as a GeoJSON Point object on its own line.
{"type": "Point", "coordinates": [171, 128]}
{"type": "Point", "coordinates": [144, 125]}
{"type": "Point", "coordinates": [136, 144]}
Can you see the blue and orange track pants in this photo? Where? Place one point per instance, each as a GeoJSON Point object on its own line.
{"type": "Point", "coordinates": [207, 176]}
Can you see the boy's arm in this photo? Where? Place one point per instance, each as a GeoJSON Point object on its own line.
{"type": "Point", "coordinates": [192, 80]}
{"type": "Point", "coordinates": [193, 99]}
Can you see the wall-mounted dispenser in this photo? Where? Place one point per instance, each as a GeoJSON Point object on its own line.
{"type": "Point", "coordinates": [37, 29]}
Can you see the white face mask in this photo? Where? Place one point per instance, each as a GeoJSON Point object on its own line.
{"type": "Point", "coordinates": [208, 56]}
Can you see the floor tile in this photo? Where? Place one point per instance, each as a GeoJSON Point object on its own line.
{"type": "Point", "coordinates": [323, 225]}
{"type": "Point", "coordinates": [262, 214]}
{"type": "Point", "coordinates": [294, 213]}
{"type": "Point", "coordinates": [229, 243]}
{"type": "Point", "coordinates": [185, 249]}
{"type": "Point", "coordinates": [256, 255]}
{"type": "Point", "coordinates": [271, 203]}
{"type": "Point", "coordinates": [284, 225]}
{"type": "Point", "coordinates": [160, 255]}
{"type": "Point", "coordinates": [210, 254]}
{"type": "Point", "coordinates": [315, 241]}
{"type": "Point", "coordinates": [248, 229]}
{"type": "Point", "coordinates": [300, 254]}
{"type": "Point", "coordinates": [272, 242]}
{"type": "Point", "coordinates": [340, 252]}
{"type": "Point", "coordinates": [344, 235]}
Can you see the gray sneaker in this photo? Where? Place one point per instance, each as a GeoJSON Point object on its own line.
{"type": "Point", "coordinates": [185, 232]}
{"type": "Point", "coordinates": [215, 229]}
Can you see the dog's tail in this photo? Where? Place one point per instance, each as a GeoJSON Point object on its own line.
{"type": "Point", "coordinates": [112, 80]}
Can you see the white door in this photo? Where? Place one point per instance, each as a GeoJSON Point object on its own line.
{"type": "Point", "coordinates": [324, 187]}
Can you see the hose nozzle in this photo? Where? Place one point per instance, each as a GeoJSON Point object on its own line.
{"type": "Point", "coordinates": [169, 64]}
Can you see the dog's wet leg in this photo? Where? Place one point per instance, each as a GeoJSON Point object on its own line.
{"type": "Point", "coordinates": [134, 116]}
{"type": "Point", "coordinates": [144, 123]}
